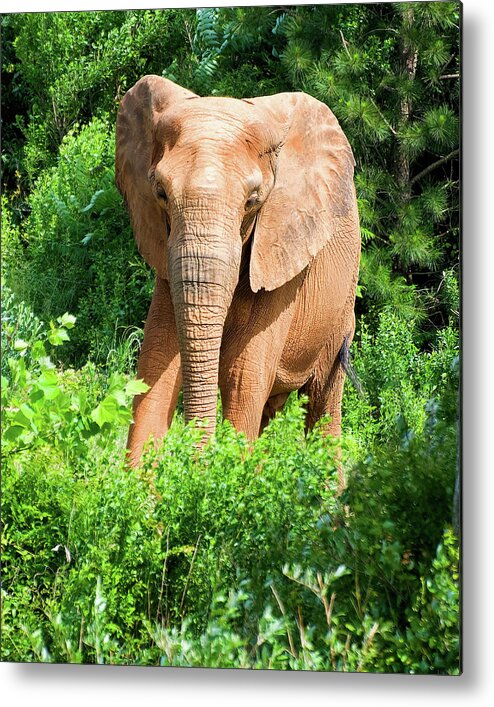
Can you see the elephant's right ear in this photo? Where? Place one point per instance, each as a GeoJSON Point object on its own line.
{"type": "Point", "coordinates": [142, 107]}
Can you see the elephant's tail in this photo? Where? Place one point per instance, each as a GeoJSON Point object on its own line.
{"type": "Point", "coordinates": [346, 364]}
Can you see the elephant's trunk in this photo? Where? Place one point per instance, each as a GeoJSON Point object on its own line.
{"type": "Point", "coordinates": [204, 270]}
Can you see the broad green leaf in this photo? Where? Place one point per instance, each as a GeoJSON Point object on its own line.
{"type": "Point", "coordinates": [134, 387]}
{"type": "Point", "coordinates": [119, 396]}
{"type": "Point", "coordinates": [80, 401]}
{"type": "Point", "coordinates": [124, 416]}
{"type": "Point", "coordinates": [67, 320]}
{"type": "Point", "coordinates": [116, 382]}
{"type": "Point", "coordinates": [106, 411]}
{"type": "Point", "coordinates": [46, 362]}
{"type": "Point", "coordinates": [38, 351]}
{"type": "Point", "coordinates": [36, 395]}
{"type": "Point", "coordinates": [57, 336]}
{"type": "Point", "coordinates": [18, 369]}
{"type": "Point", "coordinates": [13, 432]}
{"type": "Point", "coordinates": [27, 411]}
{"type": "Point", "coordinates": [48, 383]}
{"type": "Point", "coordinates": [24, 416]}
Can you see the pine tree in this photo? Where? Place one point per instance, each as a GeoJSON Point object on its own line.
{"type": "Point", "coordinates": [390, 73]}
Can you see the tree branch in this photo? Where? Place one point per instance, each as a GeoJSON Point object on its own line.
{"type": "Point", "coordinates": [383, 117]}
{"type": "Point", "coordinates": [450, 76]}
{"type": "Point", "coordinates": [433, 166]}
{"type": "Point", "coordinates": [345, 43]}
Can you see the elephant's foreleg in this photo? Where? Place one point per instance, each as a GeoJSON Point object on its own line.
{"type": "Point", "coordinates": [246, 382]}
{"type": "Point", "coordinates": [245, 409]}
{"type": "Point", "coordinates": [159, 366]}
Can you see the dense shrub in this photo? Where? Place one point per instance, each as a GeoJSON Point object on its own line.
{"type": "Point", "coordinates": [235, 556]}
{"type": "Point", "coordinates": [80, 254]}
{"type": "Point", "coordinates": [398, 377]}
{"type": "Point", "coordinates": [64, 68]}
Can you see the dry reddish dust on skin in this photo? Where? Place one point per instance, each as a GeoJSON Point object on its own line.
{"type": "Point", "coordinates": [246, 210]}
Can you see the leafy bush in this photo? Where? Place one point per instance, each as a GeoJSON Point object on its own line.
{"type": "Point", "coordinates": [398, 378]}
{"type": "Point", "coordinates": [240, 555]}
{"type": "Point", "coordinates": [11, 243]}
{"type": "Point", "coordinates": [20, 328]}
{"type": "Point", "coordinates": [66, 67]}
{"type": "Point", "coordinates": [44, 406]}
{"type": "Point", "coordinates": [401, 496]}
{"type": "Point", "coordinates": [54, 423]}
{"type": "Point", "coordinates": [431, 641]}
{"type": "Point", "coordinates": [238, 512]}
{"type": "Point", "coordinates": [80, 253]}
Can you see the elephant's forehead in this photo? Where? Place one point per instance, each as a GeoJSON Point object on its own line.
{"type": "Point", "coordinates": [215, 116]}
{"type": "Point", "coordinates": [220, 107]}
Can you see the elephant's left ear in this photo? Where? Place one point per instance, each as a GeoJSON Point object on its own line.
{"type": "Point", "coordinates": [142, 111]}
{"type": "Point", "coordinates": [313, 192]}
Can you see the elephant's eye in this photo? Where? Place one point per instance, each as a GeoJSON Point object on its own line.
{"type": "Point", "coordinates": [160, 192]}
{"type": "Point", "coordinates": [252, 200]}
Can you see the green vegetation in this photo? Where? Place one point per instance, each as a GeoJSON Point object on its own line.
{"type": "Point", "coordinates": [240, 556]}
{"type": "Point", "coordinates": [235, 556]}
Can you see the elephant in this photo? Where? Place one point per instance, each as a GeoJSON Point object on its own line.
{"type": "Point", "coordinates": [246, 210]}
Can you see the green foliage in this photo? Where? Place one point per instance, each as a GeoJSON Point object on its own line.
{"type": "Point", "coordinates": [43, 406]}
{"type": "Point", "coordinates": [279, 643]}
{"type": "Point", "coordinates": [239, 512]}
{"type": "Point", "coordinates": [398, 378]}
{"type": "Point", "coordinates": [80, 253]}
{"type": "Point", "coordinates": [435, 614]}
{"type": "Point", "coordinates": [141, 573]}
{"type": "Point", "coordinates": [206, 47]}
{"type": "Point", "coordinates": [20, 328]}
{"type": "Point", "coordinates": [11, 243]}
{"type": "Point", "coordinates": [74, 65]}
{"type": "Point", "coordinates": [235, 556]}
{"type": "Point", "coordinates": [234, 50]}
{"type": "Point", "coordinates": [401, 495]}
{"type": "Point", "coordinates": [55, 423]}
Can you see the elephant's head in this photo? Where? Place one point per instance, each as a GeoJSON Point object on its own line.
{"type": "Point", "coordinates": [204, 176]}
